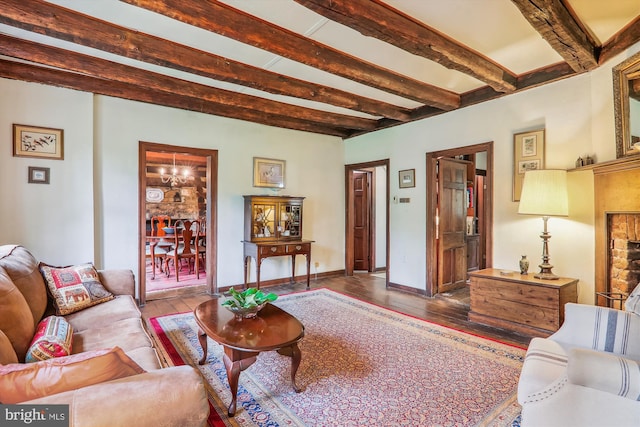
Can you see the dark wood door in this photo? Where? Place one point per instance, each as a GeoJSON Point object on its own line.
{"type": "Point", "coordinates": [452, 212]}
{"type": "Point", "coordinates": [362, 223]}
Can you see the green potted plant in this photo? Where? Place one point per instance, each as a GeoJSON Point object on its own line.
{"type": "Point", "coordinates": [248, 303]}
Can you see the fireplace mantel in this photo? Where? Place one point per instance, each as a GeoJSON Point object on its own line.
{"type": "Point", "coordinates": [617, 190]}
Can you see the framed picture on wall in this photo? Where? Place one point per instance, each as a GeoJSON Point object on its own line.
{"type": "Point", "coordinates": [38, 142]}
{"type": "Point", "coordinates": [38, 175]}
{"type": "Point", "coordinates": [528, 151]}
{"type": "Point", "coordinates": [407, 178]}
{"type": "Point", "coordinates": [268, 172]}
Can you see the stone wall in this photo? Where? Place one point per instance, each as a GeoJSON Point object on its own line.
{"type": "Point", "coordinates": [624, 263]}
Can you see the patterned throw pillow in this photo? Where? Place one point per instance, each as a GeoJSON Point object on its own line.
{"type": "Point", "coordinates": [52, 339]}
{"type": "Point", "coordinates": [75, 287]}
{"type": "Point", "coordinates": [632, 304]}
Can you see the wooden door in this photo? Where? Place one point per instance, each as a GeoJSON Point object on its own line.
{"type": "Point", "coordinates": [362, 223]}
{"type": "Point", "coordinates": [452, 212]}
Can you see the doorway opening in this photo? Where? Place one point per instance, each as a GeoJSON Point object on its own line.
{"type": "Point", "coordinates": [177, 186]}
{"type": "Point", "coordinates": [367, 218]}
{"type": "Point", "coordinates": [473, 248]}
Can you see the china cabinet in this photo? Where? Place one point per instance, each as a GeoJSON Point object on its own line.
{"type": "Point", "coordinates": [269, 218]}
{"type": "Point", "coordinates": [273, 227]}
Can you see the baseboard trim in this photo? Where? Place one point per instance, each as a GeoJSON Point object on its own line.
{"type": "Point", "coordinates": [408, 289]}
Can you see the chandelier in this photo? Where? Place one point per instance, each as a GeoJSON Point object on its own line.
{"type": "Point", "coordinates": [174, 178]}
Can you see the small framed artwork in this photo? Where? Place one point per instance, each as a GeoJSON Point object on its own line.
{"type": "Point", "coordinates": [407, 178]}
{"type": "Point", "coordinates": [32, 141]}
{"type": "Point", "coordinates": [268, 173]}
{"type": "Point", "coordinates": [38, 175]}
{"type": "Point", "coordinates": [528, 151]}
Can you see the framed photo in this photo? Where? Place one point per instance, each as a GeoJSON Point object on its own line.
{"type": "Point", "coordinates": [407, 178]}
{"type": "Point", "coordinates": [31, 141]}
{"type": "Point", "coordinates": [528, 150]}
{"type": "Point", "coordinates": [38, 175]}
{"type": "Point", "coordinates": [268, 173]}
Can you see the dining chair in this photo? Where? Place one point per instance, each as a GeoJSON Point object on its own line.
{"type": "Point", "coordinates": [186, 235]}
{"type": "Point", "coordinates": [158, 247]}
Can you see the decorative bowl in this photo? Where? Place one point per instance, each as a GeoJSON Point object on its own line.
{"type": "Point", "coordinates": [245, 312]}
{"type": "Point", "coordinates": [168, 230]}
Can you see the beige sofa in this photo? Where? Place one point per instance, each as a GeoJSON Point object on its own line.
{"type": "Point", "coordinates": [173, 396]}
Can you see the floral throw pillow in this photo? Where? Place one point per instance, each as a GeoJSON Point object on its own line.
{"type": "Point", "coordinates": [52, 339]}
{"type": "Point", "coordinates": [74, 287]}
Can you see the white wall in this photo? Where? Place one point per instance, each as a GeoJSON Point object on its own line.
{"type": "Point", "coordinates": [99, 178]}
{"type": "Point", "coordinates": [577, 114]}
{"type": "Point", "coordinates": [54, 221]}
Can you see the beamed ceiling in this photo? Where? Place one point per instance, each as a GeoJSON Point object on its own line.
{"type": "Point", "coordinates": [335, 67]}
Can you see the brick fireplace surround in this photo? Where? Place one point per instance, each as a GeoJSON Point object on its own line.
{"type": "Point", "coordinates": [617, 226]}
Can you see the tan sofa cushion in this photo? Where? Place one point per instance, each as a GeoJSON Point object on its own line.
{"type": "Point", "coordinates": [22, 267]}
{"type": "Point", "coordinates": [20, 382]}
{"type": "Point", "coordinates": [127, 334]}
{"type": "Point", "coordinates": [104, 315]}
{"type": "Point", "coordinates": [165, 397]}
{"type": "Point", "coordinates": [16, 319]}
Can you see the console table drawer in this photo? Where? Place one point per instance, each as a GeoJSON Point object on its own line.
{"type": "Point", "coordinates": [271, 250]}
{"type": "Point", "coordinates": [295, 248]}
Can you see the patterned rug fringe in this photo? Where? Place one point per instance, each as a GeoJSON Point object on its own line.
{"type": "Point", "coordinates": [362, 365]}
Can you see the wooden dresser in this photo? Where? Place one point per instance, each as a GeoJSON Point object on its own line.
{"type": "Point", "coordinates": [520, 302]}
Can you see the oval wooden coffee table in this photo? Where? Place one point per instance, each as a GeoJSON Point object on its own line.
{"type": "Point", "coordinates": [242, 340]}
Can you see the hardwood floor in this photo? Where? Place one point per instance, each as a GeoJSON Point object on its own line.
{"type": "Point", "coordinates": [368, 288]}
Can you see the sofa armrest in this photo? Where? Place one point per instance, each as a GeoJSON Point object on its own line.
{"type": "Point", "coordinates": [604, 371]}
{"type": "Point", "coordinates": [600, 328]}
{"type": "Point", "coordinates": [118, 282]}
{"type": "Point", "coordinates": [173, 396]}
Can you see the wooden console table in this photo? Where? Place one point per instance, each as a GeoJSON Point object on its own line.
{"type": "Point", "coordinates": [520, 302]}
{"type": "Point", "coordinates": [261, 250]}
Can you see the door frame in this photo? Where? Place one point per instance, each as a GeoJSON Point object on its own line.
{"type": "Point", "coordinates": [432, 249]}
{"type": "Point", "coordinates": [211, 213]}
{"type": "Point", "coordinates": [350, 217]}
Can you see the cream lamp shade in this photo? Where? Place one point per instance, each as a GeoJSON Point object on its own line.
{"type": "Point", "coordinates": [544, 193]}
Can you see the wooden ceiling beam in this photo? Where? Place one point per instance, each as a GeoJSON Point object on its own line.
{"type": "Point", "coordinates": [31, 73]}
{"type": "Point", "coordinates": [620, 41]}
{"type": "Point", "coordinates": [56, 21]}
{"type": "Point", "coordinates": [96, 67]}
{"type": "Point", "coordinates": [560, 29]}
{"type": "Point", "coordinates": [376, 19]}
{"type": "Point", "coordinates": [222, 19]}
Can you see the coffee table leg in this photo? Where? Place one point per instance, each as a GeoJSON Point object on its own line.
{"type": "Point", "coordinates": [296, 357]}
{"type": "Point", "coordinates": [202, 338]}
{"type": "Point", "coordinates": [293, 351]}
{"type": "Point", "coordinates": [236, 361]}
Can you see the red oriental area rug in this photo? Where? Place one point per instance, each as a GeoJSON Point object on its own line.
{"type": "Point", "coordinates": [362, 365]}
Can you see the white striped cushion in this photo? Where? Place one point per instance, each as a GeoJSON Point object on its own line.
{"type": "Point", "coordinates": [603, 371]}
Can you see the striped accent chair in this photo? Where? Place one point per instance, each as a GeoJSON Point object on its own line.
{"type": "Point", "coordinates": [585, 374]}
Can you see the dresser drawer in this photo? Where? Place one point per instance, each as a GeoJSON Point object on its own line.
{"type": "Point", "coordinates": [295, 248]}
{"type": "Point", "coordinates": [271, 250]}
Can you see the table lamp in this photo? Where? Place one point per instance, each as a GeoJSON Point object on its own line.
{"type": "Point", "coordinates": [544, 193]}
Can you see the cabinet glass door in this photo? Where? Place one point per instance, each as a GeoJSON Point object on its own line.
{"type": "Point", "coordinates": [290, 220]}
{"type": "Point", "coordinates": [264, 220]}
